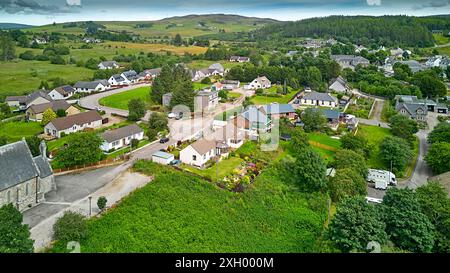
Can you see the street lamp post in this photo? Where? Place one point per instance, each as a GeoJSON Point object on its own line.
{"type": "Point", "coordinates": [90, 207]}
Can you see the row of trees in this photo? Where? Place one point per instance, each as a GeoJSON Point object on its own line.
{"type": "Point", "coordinates": [438, 157]}
{"type": "Point", "coordinates": [412, 221]}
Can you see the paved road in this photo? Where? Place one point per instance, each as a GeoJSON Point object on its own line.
{"type": "Point", "coordinates": [377, 109]}
{"type": "Point", "coordinates": [92, 101]}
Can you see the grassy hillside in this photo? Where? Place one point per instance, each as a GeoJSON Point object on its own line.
{"type": "Point", "coordinates": [182, 213]}
{"type": "Point", "coordinates": [186, 26]}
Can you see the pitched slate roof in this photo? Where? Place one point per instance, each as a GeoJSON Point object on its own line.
{"type": "Point", "coordinates": [54, 105]}
{"type": "Point", "coordinates": [263, 80]}
{"type": "Point", "coordinates": [319, 96]}
{"type": "Point", "coordinates": [276, 108]}
{"type": "Point", "coordinates": [92, 84]}
{"type": "Point", "coordinates": [202, 146]}
{"type": "Point", "coordinates": [37, 94]}
{"type": "Point", "coordinates": [123, 132]}
{"type": "Point", "coordinates": [412, 108]}
{"type": "Point", "coordinates": [65, 90]}
{"type": "Point", "coordinates": [16, 164]}
{"type": "Point", "coordinates": [79, 119]}
{"type": "Point", "coordinates": [217, 66]}
{"type": "Point", "coordinates": [118, 78]}
{"type": "Point", "coordinates": [45, 170]}
{"type": "Point", "coordinates": [20, 99]}
{"type": "Point", "coordinates": [110, 64]}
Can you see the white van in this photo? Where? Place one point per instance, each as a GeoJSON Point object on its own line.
{"type": "Point", "coordinates": [381, 178]}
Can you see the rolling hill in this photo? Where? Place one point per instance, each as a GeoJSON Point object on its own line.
{"type": "Point", "coordinates": [186, 26]}
{"type": "Point", "coordinates": [13, 26]}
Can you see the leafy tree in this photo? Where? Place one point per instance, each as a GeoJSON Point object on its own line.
{"type": "Point", "coordinates": [308, 170]}
{"type": "Point", "coordinates": [158, 121]}
{"type": "Point", "coordinates": [313, 119]}
{"type": "Point", "coordinates": [440, 133]}
{"type": "Point", "coordinates": [101, 202]}
{"type": "Point", "coordinates": [223, 94]}
{"type": "Point", "coordinates": [349, 159]}
{"type": "Point", "coordinates": [48, 116]}
{"type": "Point", "coordinates": [82, 148]}
{"type": "Point", "coordinates": [33, 143]}
{"type": "Point", "coordinates": [429, 84]}
{"type": "Point", "coordinates": [27, 55]}
{"type": "Point", "coordinates": [7, 47]}
{"type": "Point", "coordinates": [356, 143]}
{"type": "Point", "coordinates": [134, 143]}
{"type": "Point", "coordinates": [346, 182]}
{"type": "Point", "coordinates": [70, 227]}
{"type": "Point", "coordinates": [355, 224]}
{"type": "Point", "coordinates": [435, 204]}
{"type": "Point", "coordinates": [403, 127]}
{"type": "Point", "coordinates": [438, 157]}
{"type": "Point", "coordinates": [162, 84]}
{"type": "Point", "coordinates": [14, 236]}
{"type": "Point", "coordinates": [247, 102]}
{"type": "Point", "coordinates": [178, 41]}
{"type": "Point", "coordinates": [183, 91]}
{"type": "Point", "coordinates": [4, 109]}
{"type": "Point", "coordinates": [314, 77]}
{"type": "Point", "coordinates": [61, 113]}
{"type": "Point", "coordinates": [136, 109]}
{"type": "Point", "coordinates": [91, 64]}
{"type": "Point", "coordinates": [395, 150]}
{"type": "Point", "coordinates": [44, 85]}
{"type": "Point", "coordinates": [406, 225]}
{"type": "Point", "coordinates": [206, 80]}
{"type": "Point", "coordinates": [57, 60]}
{"type": "Point", "coordinates": [152, 134]}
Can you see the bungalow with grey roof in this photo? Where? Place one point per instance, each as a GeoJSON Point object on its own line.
{"type": "Point", "coordinates": [93, 86]}
{"type": "Point", "coordinates": [350, 61]}
{"type": "Point", "coordinates": [121, 137]}
{"type": "Point", "coordinates": [36, 112]}
{"type": "Point", "coordinates": [117, 80]}
{"type": "Point", "coordinates": [24, 179]}
{"type": "Point", "coordinates": [340, 85]}
{"type": "Point", "coordinates": [260, 82]}
{"type": "Point", "coordinates": [318, 99]}
{"type": "Point", "coordinates": [23, 102]}
{"type": "Point", "coordinates": [108, 65]}
{"type": "Point", "coordinates": [239, 59]}
{"type": "Point", "coordinates": [73, 124]}
{"type": "Point", "coordinates": [62, 93]}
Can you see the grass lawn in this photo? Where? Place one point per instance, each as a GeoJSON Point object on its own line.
{"type": "Point", "coordinates": [178, 212]}
{"type": "Point", "coordinates": [15, 131]}
{"type": "Point", "coordinates": [200, 86]}
{"type": "Point", "coordinates": [234, 95]}
{"type": "Point", "coordinates": [260, 100]}
{"type": "Point", "coordinates": [374, 136]}
{"type": "Point", "coordinates": [225, 167]}
{"type": "Point", "coordinates": [441, 39]}
{"type": "Point", "coordinates": [199, 64]}
{"type": "Point", "coordinates": [21, 77]}
{"type": "Point", "coordinates": [324, 145]}
{"type": "Point", "coordinates": [120, 100]}
{"type": "Point", "coordinates": [361, 109]}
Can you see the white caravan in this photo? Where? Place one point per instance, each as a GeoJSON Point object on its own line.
{"type": "Point", "coordinates": [381, 178]}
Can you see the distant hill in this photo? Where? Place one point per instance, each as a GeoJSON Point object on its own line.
{"type": "Point", "coordinates": [186, 26]}
{"type": "Point", "coordinates": [389, 30]}
{"type": "Point", "coordinates": [13, 26]}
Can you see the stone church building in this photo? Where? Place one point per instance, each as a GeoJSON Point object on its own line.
{"type": "Point", "coordinates": [24, 179]}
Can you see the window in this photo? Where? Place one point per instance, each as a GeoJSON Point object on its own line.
{"type": "Point", "coordinates": [8, 197]}
{"type": "Point", "coordinates": [27, 189]}
{"type": "Point", "coordinates": [194, 157]}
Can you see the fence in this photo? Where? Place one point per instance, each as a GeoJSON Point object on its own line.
{"type": "Point", "coordinates": [94, 165]}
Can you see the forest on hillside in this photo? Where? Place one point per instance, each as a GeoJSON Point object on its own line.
{"type": "Point", "coordinates": [366, 30]}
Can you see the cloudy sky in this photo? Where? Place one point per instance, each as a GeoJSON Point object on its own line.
{"type": "Point", "coordinates": [38, 12]}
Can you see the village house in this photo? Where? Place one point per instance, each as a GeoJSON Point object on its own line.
{"type": "Point", "coordinates": [340, 85]}
{"type": "Point", "coordinates": [359, 48]}
{"type": "Point", "coordinates": [260, 82]}
{"type": "Point", "coordinates": [230, 85]}
{"type": "Point", "coordinates": [216, 69]}
{"type": "Point", "coordinates": [318, 99]}
{"type": "Point", "coordinates": [108, 65]}
{"type": "Point", "coordinates": [230, 135]}
{"type": "Point", "coordinates": [25, 179]}
{"type": "Point", "coordinates": [130, 76]}
{"type": "Point", "coordinates": [121, 137]}
{"type": "Point", "coordinates": [62, 93]}
{"type": "Point", "coordinates": [117, 80]}
{"type": "Point", "coordinates": [350, 61]}
{"type": "Point", "coordinates": [89, 40]}
{"type": "Point", "coordinates": [36, 112]}
{"type": "Point", "coordinates": [332, 116]}
{"type": "Point", "coordinates": [312, 43]}
{"type": "Point", "coordinates": [203, 150]}
{"type": "Point", "coordinates": [72, 124]}
{"type": "Point", "coordinates": [23, 102]}
{"type": "Point", "coordinates": [239, 59]}
{"type": "Point", "coordinates": [206, 100]}
{"type": "Point", "coordinates": [93, 86]}
{"type": "Point", "coordinates": [150, 74]}
{"type": "Point", "coordinates": [217, 86]}
{"type": "Point", "coordinates": [414, 65]}
{"type": "Point", "coordinates": [430, 104]}
{"type": "Point", "coordinates": [417, 112]}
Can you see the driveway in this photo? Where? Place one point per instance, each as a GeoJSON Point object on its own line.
{"type": "Point", "coordinates": [92, 101]}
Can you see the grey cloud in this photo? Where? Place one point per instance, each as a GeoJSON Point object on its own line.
{"type": "Point", "coordinates": [433, 4]}
{"type": "Point", "coordinates": [34, 7]}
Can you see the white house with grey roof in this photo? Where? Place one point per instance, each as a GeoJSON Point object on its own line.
{"type": "Point", "coordinates": [350, 61]}
{"type": "Point", "coordinates": [108, 65]}
{"type": "Point", "coordinates": [319, 99]}
{"type": "Point", "coordinates": [62, 92]}
{"type": "Point", "coordinates": [24, 179]}
{"type": "Point", "coordinates": [23, 102]}
{"type": "Point", "coordinates": [340, 85]}
{"type": "Point", "coordinates": [260, 82]}
{"type": "Point", "coordinates": [93, 86]}
{"type": "Point", "coordinates": [121, 137]}
{"type": "Point", "coordinates": [416, 112]}
{"type": "Point", "coordinates": [117, 80]}
{"type": "Point", "coordinates": [73, 124]}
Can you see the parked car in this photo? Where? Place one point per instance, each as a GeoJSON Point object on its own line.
{"type": "Point", "coordinates": [171, 115]}
{"type": "Point", "coordinates": [175, 162]}
{"type": "Point", "coordinates": [164, 140]}
{"type": "Point", "coordinates": [179, 116]}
